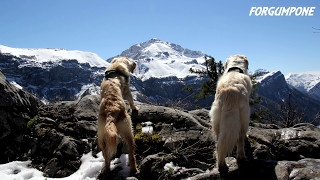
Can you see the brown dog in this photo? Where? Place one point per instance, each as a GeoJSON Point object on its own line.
{"type": "Point", "coordinates": [113, 117]}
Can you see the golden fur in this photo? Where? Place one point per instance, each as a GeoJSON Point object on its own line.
{"type": "Point", "coordinates": [113, 117]}
{"type": "Point", "coordinates": [230, 111]}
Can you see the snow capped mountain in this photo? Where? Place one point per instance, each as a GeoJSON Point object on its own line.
{"type": "Point", "coordinates": [273, 85]}
{"type": "Point", "coordinates": [35, 57]}
{"type": "Point", "coordinates": [274, 92]}
{"type": "Point", "coordinates": [53, 74]}
{"type": "Point", "coordinates": [303, 81]}
{"type": "Point", "coordinates": [160, 59]}
{"type": "Point", "coordinates": [306, 82]}
{"type": "Point", "coordinates": [269, 77]}
{"type": "Point", "coordinates": [163, 71]}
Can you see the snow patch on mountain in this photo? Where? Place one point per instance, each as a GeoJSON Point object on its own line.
{"type": "Point", "coordinates": [267, 76]}
{"type": "Point", "coordinates": [303, 81]}
{"type": "Point", "coordinates": [88, 89]}
{"type": "Point", "coordinates": [35, 56]}
{"type": "Point", "coordinates": [13, 82]}
{"type": "Point", "coordinates": [306, 82]}
{"type": "Point", "coordinates": [158, 59]}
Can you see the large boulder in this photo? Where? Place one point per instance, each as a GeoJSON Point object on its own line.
{"type": "Point", "coordinates": [17, 107]}
{"type": "Point", "coordinates": [62, 133]}
{"type": "Point", "coordinates": [295, 143]}
{"type": "Point", "coordinates": [186, 148]}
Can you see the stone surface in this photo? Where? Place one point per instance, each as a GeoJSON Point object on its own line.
{"type": "Point", "coordinates": [17, 107]}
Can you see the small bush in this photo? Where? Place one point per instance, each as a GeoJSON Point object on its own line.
{"type": "Point", "coordinates": [32, 122]}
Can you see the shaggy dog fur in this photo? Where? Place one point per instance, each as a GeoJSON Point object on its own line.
{"type": "Point", "coordinates": [230, 111]}
{"type": "Point", "coordinates": [113, 117]}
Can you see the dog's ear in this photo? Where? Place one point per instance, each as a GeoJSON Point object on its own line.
{"type": "Point", "coordinates": [133, 66]}
{"type": "Point", "coordinates": [246, 62]}
{"type": "Point", "coordinates": [227, 62]}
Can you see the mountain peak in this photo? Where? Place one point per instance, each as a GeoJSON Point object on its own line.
{"type": "Point", "coordinates": [306, 82]}
{"type": "Point", "coordinates": [156, 47]}
{"type": "Point", "coordinates": [153, 40]}
{"type": "Point", "coordinates": [157, 58]}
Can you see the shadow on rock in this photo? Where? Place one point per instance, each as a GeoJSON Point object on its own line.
{"type": "Point", "coordinates": [254, 169]}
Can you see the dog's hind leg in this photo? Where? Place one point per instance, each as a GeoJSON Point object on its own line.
{"type": "Point", "coordinates": [215, 115]}
{"type": "Point", "coordinates": [126, 133]}
{"type": "Point", "coordinates": [107, 138]}
{"type": "Point", "coordinates": [228, 135]}
{"type": "Point", "coordinates": [102, 143]}
{"type": "Point", "coordinates": [241, 157]}
{"type": "Point", "coordinates": [221, 155]}
{"type": "Point", "coordinates": [244, 120]}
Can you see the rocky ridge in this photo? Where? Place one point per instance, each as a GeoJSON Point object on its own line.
{"type": "Point", "coordinates": [275, 94]}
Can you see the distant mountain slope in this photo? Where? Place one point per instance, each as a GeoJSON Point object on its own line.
{"type": "Point", "coordinates": [53, 74]}
{"type": "Point", "coordinates": [307, 82]}
{"type": "Point", "coordinates": [274, 90]}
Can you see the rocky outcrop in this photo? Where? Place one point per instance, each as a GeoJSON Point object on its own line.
{"type": "Point", "coordinates": [295, 143]}
{"type": "Point", "coordinates": [61, 133]}
{"type": "Point", "coordinates": [17, 107]}
{"type": "Point", "coordinates": [269, 149]}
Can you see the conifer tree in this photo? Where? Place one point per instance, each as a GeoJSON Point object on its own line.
{"type": "Point", "coordinates": [212, 72]}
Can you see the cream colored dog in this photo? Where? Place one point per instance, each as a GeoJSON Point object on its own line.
{"type": "Point", "coordinates": [113, 117]}
{"type": "Point", "coordinates": [230, 111]}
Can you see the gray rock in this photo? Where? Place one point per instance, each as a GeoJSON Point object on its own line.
{"type": "Point", "coordinates": [17, 107]}
{"type": "Point", "coordinates": [68, 147]}
{"type": "Point", "coordinates": [302, 169]}
{"type": "Point", "coordinates": [57, 168]}
{"type": "Point", "coordinates": [86, 128]}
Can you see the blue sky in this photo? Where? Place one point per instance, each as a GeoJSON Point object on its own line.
{"type": "Point", "coordinates": [218, 28]}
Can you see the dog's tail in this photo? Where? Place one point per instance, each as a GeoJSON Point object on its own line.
{"type": "Point", "coordinates": [111, 137]}
{"type": "Point", "coordinates": [230, 125]}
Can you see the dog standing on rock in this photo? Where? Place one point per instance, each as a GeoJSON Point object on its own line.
{"type": "Point", "coordinates": [113, 117]}
{"type": "Point", "coordinates": [230, 111]}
